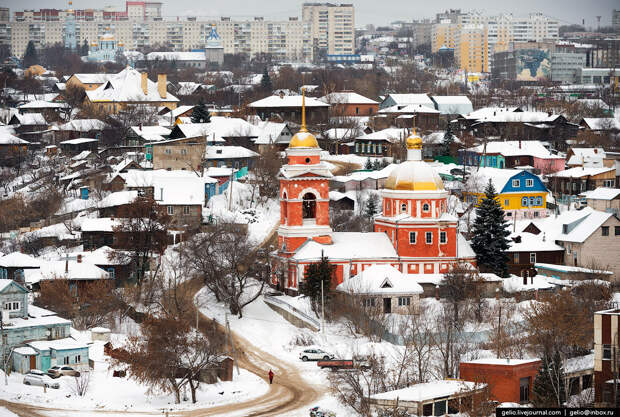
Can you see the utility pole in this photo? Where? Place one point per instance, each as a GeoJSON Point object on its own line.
{"type": "Point", "coordinates": [322, 309]}
{"type": "Point", "coordinates": [499, 328]}
{"type": "Point", "coordinates": [232, 345]}
{"type": "Point", "coordinates": [4, 361]}
{"type": "Point", "coordinates": [232, 173]}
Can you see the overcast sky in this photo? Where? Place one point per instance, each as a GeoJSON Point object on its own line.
{"type": "Point", "coordinates": [366, 11]}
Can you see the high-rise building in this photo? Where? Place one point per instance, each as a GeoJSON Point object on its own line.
{"type": "Point", "coordinates": [332, 27]}
{"type": "Point", "coordinates": [471, 52]}
{"type": "Point", "coordinates": [615, 20]}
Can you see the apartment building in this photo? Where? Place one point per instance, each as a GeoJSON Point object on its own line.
{"type": "Point", "coordinates": [566, 67]}
{"type": "Point", "coordinates": [606, 356]}
{"type": "Point", "coordinates": [332, 27]}
{"type": "Point", "coordinates": [141, 26]}
{"type": "Point", "coordinates": [472, 49]}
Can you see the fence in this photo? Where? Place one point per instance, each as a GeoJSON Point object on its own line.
{"type": "Point", "coordinates": [312, 322]}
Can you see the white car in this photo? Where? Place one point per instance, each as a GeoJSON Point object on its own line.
{"type": "Point", "coordinates": [315, 355]}
{"type": "Point", "coordinates": [40, 380]}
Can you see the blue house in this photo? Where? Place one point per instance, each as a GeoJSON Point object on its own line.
{"type": "Point", "coordinates": [35, 338]}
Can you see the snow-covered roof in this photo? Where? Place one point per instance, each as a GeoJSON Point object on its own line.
{"type": "Point", "coordinates": [515, 148]}
{"type": "Point", "coordinates": [65, 269]}
{"type": "Point", "coordinates": [19, 260]}
{"type": "Point", "coordinates": [391, 134]}
{"type": "Point", "coordinates": [81, 156]}
{"type": "Point", "coordinates": [83, 125]}
{"type": "Point", "coordinates": [271, 132]}
{"type": "Point", "coordinates": [287, 101]}
{"type": "Point", "coordinates": [478, 180]}
{"type": "Point", "coordinates": [176, 56]}
{"type": "Point", "coordinates": [345, 245]}
{"type": "Point", "coordinates": [453, 104]}
{"type": "Point", "coordinates": [602, 193]}
{"type": "Point", "coordinates": [589, 152]}
{"type": "Point", "coordinates": [219, 171]}
{"type": "Point", "coordinates": [40, 104]}
{"type": "Point", "coordinates": [100, 256]}
{"type": "Point", "coordinates": [126, 86]}
{"type": "Point", "coordinates": [380, 279]}
{"type": "Point", "coordinates": [602, 123]}
{"type": "Point", "coordinates": [30, 119]}
{"type": "Point", "coordinates": [506, 115]}
{"type": "Point", "coordinates": [568, 268]}
{"type": "Point", "coordinates": [346, 97]}
{"type": "Point", "coordinates": [228, 152]}
{"type": "Point", "coordinates": [530, 242]}
{"type": "Point", "coordinates": [409, 109]}
{"type": "Point", "coordinates": [8, 139]}
{"type": "Point", "coordinates": [515, 284]}
{"type": "Point", "coordinates": [118, 198]}
{"type": "Point", "coordinates": [502, 361]}
{"type": "Point", "coordinates": [151, 133]}
{"type": "Point", "coordinates": [92, 78]}
{"type": "Point", "coordinates": [428, 391]}
{"type": "Point", "coordinates": [588, 225]}
{"type": "Point", "coordinates": [579, 363]}
{"type": "Point", "coordinates": [406, 99]}
{"type": "Point", "coordinates": [4, 283]}
{"type": "Point", "coordinates": [58, 344]}
{"type": "Point", "coordinates": [578, 172]}
{"type": "Point", "coordinates": [77, 141]}
{"type": "Point", "coordinates": [219, 128]}
{"type": "Point", "coordinates": [177, 187]}
{"type": "Point", "coordinates": [488, 111]}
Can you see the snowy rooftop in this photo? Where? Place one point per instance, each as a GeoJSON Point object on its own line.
{"type": "Point", "coordinates": [428, 391]}
{"type": "Point", "coordinates": [390, 134]}
{"type": "Point", "coordinates": [287, 101]}
{"type": "Point", "coordinates": [567, 268]}
{"type": "Point", "coordinates": [579, 363]}
{"type": "Point", "coordinates": [271, 132]}
{"type": "Point", "coordinates": [100, 256]}
{"type": "Point", "coordinates": [453, 104]}
{"type": "Point", "coordinates": [92, 78]}
{"type": "Point", "coordinates": [37, 317]}
{"type": "Point", "coordinates": [602, 123]}
{"type": "Point", "coordinates": [65, 269]}
{"type": "Point", "coordinates": [515, 284]}
{"type": "Point", "coordinates": [58, 344]}
{"type": "Point", "coordinates": [226, 152]}
{"type": "Point", "coordinates": [40, 104]}
{"type": "Point", "coordinates": [515, 148]}
{"type": "Point", "coordinates": [219, 128]}
{"type": "Point", "coordinates": [380, 279]}
{"type": "Point", "coordinates": [176, 56]}
{"type": "Point", "coordinates": [102, 224]}
{"type": "Point", "coordinates": [603, 193]}
{"type": "Point", "coordinates": [83, 125]}
{"type": "Point", "coordinates": [30, 119]}
{"type": "Point", "coordinates": [345, 245]}
{"type": "Point", "coordinates": [411, 108]}
{"type": "Point", "coordinates": [118, 198]}
{"type": "Point", "coordinates": [126, 86]}
{"type": "Point", "coordinates": [8, 139]}
{"type": "Point", "coordinates": [406, 99]}
{"type": "Point", "coordinates": [77, 141]}
{"type": "Point", "coordinates": [346, 97]}
{"type": "Point", "coordinates": [530, 242]}
{"type": "Point", "coordinates": [19, 260]}
{"type": "Point", "coordinates": [502, 361]}
{"type": "Point", "coordinates": [586, 227]}
{"type": "Point", "coordinates": [150, 130]}
{"type": "Point", "coordinates": [170, 187]}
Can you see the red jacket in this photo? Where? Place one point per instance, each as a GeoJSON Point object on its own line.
{"type": "Point", "coordinates": [270, 374]}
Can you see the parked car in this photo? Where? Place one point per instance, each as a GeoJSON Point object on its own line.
{"type": "Point", "coordinates": [315, 355]}
{"type": "Point", "coordinates": [40, 380]}
{"type": "Point", "coordinates": [321, 412]}
{"type": "Point", "coordinates": [338, 364]}
{"type": "Point", "coordinates": [58, 371]}
{"type": "Point", "coordinates": [37, 372]}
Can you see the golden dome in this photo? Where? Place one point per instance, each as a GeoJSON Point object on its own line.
{"type": "Point", "coordinates": [414, 141]}
{"type": "Point", "coordinates": [414, 176]}
{"type": "Point", "coordinates": [303, 138]}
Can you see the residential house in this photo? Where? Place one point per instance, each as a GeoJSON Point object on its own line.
{"type": "Point", "coordinates": [77, 272]}
{"type": "Point", "coordinates": [606, 355]}
{"type": "Point", "coordinates": [426, 118]}
{"type": "Point", "coordinates": [586, 157]}
{"type": "Point", "coordinates": [177, 154]}
{"type": "Point", "coordinates": [569, 183]}
{"type": "Point", "coordinates": [219, 131]}
{"type": "Point", "coordinates": [452, 106]}
{"type": "Point", "coordinates": [78, 145]}
{"type": "Point", "coordinates": [403, 100]}
{"type": "Point", "coordinates": [434, 398]}
{"type": "Point", "coordinates": [350, 103]}
{"type": "Point", "coordinates": [171, 115]}
{"type": "Point", "coordinates": [520, 193]}
{"type": "Point", "coordinates": [237, 157]}
{"type": "Point", "coordinates": [600, 124]}
{"type": "Point", "coordinates": [526, 249]}
{"type": "Point", "coordinates": [384, 289]}
{"type": "Point", "coordinates": [604, 199]}
{"type": "Point", "coordinates": [99, 232]}
{"type": "Point", "coordinates": [379, 143]}
{"type": "Point", "coordinates": [509, 380]}
{"type": "Point", "coordinates": [30, 126]}
{"type": "Point", "coordinates": [80, 128]}
{"type": "Point", "coordinates": [27, 324]}
{"type": "Point", "coordinates": [340, 140]}
{"type": "Point", "coordinates": [129, 87]}
{"type": "Point", "coordinates": [44, 354]}
{"type": "Point", "coordinates": [12, 148]}
{"type": "Point", "coordinates": [145, 135]}
{"type": "Point", "coordinates": [116, 263]}
{"type": "Point", "coordinates": [272, 133]}
{"type": "Point", "coordinates": [117, 203]}
{"type": "Point", "coordinates": [512, 154]}
{"type": "Point", "coordinates": [288, 108]}
{"type": "Point", "coordinates": [88, 82]}
{"type": "Point", "coordinates": [13, 265]}
{"type": "Point", "coordinates": [41, 106]}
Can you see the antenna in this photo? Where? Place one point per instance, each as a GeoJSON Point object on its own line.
{"type": "Point", "coordinates": [598, 24]}
{"type": "Point", "coordinates": [303, 110]}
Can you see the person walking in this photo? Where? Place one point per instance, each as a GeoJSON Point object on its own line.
{"type": "Point", "coordinates": [270, 376]}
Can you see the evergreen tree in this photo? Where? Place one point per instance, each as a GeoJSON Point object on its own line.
{"type": "Point", "coordinates": [490, 233]}
{"type": "Point", "coordinates": [448, 139]}
{"type": "Point", "coordinates": [376, 165]}
{"type": "Point", "coordinates": [316, 273]}
{"type": "Point", "coordinates": [548, 389]}
{"type": "Point", "coordinates": [200, 114]}
{"type": "Point", "coordinates": [265, 82]}
{"type": "Point", "coordinates": [84, 50]}
{"type": "Point", "coordinates": [368, 164]}
{"type": "Point", "coordinates": [30, 57]}
{"type": "Point", "coordinates": [372, 206]}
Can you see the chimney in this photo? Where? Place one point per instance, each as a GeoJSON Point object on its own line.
{"type": "Point", "coordinates": [519, 143]}
{"type": "Point", "coordinates": [144, 83]}
{"type": "Point", "coordinates": [79, 258]}
{"type": "Point", "coordinates": [161, 85]}
{"type": "Point", "coordinates": [67, 264]}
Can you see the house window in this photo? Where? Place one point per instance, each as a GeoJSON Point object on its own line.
{"type": "Point", "coordinates": [387, 205]}
{"type": "Point", "coordinates": [65, 360]}
{"type": "Point", "coordinates": [78, 358]}
{"type": "Point", "coordinates": [516, 183]}
{"type": "Point", "coordinates": [516, 261]}
{"type": "Point", "coordinates": [186, 210]}
{"type": "Point", "coordinates": [369, 302]}
{"type": "Point", "coordinates": [112, 273]}
{"type": "Point", "coordinates": [183, 151]}
{"type": "Point", "coordinates": [617, 230]}
{"type": "Point", "coordinates": [170, 210]}
{"type": "Point", "coordinates": [524, 390]}
{"type": "Point", "coordinates": [607, 352]}
{"type": "Point", "coordinates": [443, 237]}
{"type": "Point", "coordinates": [506, 203]}
{"type": "Point", "coordinates": [532, 257]}
{"type": "Point", "coordinates": [524, 202]}
{"type": "Point", "coordinates": [426, 208]}
{"type": "Point", "coordinates": [168, 151]}
{"type": "Point", "coordinates": [403, 208]}
{"type": "Point", "coordinates": [529, 182]}
{"type": "Point", "coordinates": [605, 230]}
{"type": "Point", "coordinates": [357, 110]}
{"type": "Point", "coordinates": [12, 306]}
{"type": "Point", "coordinates": [309, 206]}
{"type": "Point", "coordinates": [608, 183]}
{"type": "Point", "coordinates": [539, 201]}
{"type": "Point", "coordinates": [429, 237]}
{"type": "Point", "coordinates": [412, 237]}
{"type": "Point", "coordinates": [404, 301]}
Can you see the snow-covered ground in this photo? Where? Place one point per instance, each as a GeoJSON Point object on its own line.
{"type": "Point", "coordinates": [124, 394]}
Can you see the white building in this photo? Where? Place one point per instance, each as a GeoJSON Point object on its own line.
{"type": "Point", "coordinates": [332, 27]}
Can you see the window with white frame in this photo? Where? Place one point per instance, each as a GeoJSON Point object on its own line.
{"type": "Point", "coordinates": [387, 205]}
{"type": "Point", "coordinates": [529, 182]}
{"type": "Point", "coordinates": [609, 183]}
{"type": "Point", "coordinates": [369, 302]}
{"type": "Point", "coordinates": [429, 237]}
{"type": "Point", "coordinates": [516, 183]}
{"type": "Point", "coordinates": [65, 360]}
{"type": "Point", "coordinates": [170, 210]}
{"type": "Point", "coordinates": [78, 358]}
{"type": "Point", "coordinates": [186, 210]}
{"type": "Point", "coordinates": [404, 301]}
{"type": "Point", "coordinates": [532, 257]}
{"type": "Point", "coordinates": [412, 237]}
{"type": "Point", "coordinates": [443, 237]}
{"type": "Point", "coordinates": [506, 203]}
{"type": "Point", "coordinates": [12, 306]}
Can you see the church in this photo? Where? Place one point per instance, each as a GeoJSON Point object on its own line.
{"type": "Point", "coordinates": [413, 233]}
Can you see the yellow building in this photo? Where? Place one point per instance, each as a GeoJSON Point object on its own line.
{"type": "Point", "coordinates": [472, 51]}
{"type": "Point", "coordinates": [131, 87]}
{"type": "Point", "coordinates": [444, 35]}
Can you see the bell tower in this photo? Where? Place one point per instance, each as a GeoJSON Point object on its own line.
{"type": "Point", "coordinates": [304, 193]}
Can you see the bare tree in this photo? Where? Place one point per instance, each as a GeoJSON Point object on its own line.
{"type": "Point", "coordinates": [81, 383]}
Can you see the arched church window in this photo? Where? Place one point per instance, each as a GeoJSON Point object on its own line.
{"type": "Point", "coordinates": [426, 208]}
{"type": "Point", "coordinates": [403, 208]}
{"type": "Point", "coordinates": [309, 206]}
